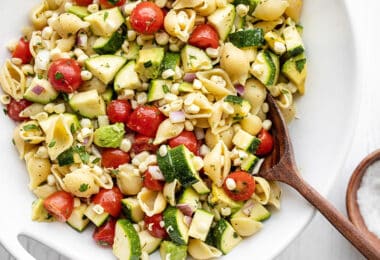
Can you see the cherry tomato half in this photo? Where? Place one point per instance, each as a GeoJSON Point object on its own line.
{"type": "Point", "coordinates": [105, 234]}
{"type": "Point", "coordinates": [22, 51]}
{"type": "Point", "coordinates": [145, 120]}
{"type": "Point", "coordinates": [105, 4]}
{"type": "Point", "coordinates": [186, 138]}
{"type": "Point", "coordinates": [154, 226]}
{"type": "Point", "coordinates": [152, 184]}
{"type": "Point", "coordinates": [60, 204]}
{"type": "Point", "coordinates": [204, 36]}
{"type": "Point", "coordinates": [119, 111]}
{"type": "Point", "coordinates": [147, 18]}
{"type": "Point", "coordinates": [266, 145]}
{"type": "Point", "coordinates": [245, 185]}
{"type": "Point", "coordinates": [143, 143]}
{"type": "Point", "coordinates": [110, 200]}
{"type": "Point", "coordinates": [64, 75]}
{"type": "Point", "coordinates": [14, 108]}
{"type": "Point", "coordinates": [113, 158]}
{"type": "Point", "coordinates": [84, 2]}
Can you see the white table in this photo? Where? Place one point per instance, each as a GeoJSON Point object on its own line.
{"type": "Point", "coordinates": [319, 240]}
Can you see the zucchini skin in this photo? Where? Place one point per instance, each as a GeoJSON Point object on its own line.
{"type": "Point", "coordinates": [248, 38]}
{"type": "Point", "coordinates": [171, 225]}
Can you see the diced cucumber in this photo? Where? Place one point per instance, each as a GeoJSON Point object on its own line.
{"type": "Point", "coordinates": [200, 224]}
{"type": "Point", "coordinates": [201, 187]}
{"type": "Point", "coordinates": [175, 226]}
{"type": "Point", "coordinates": [249, 163]}
{"type": "Point", "coordinates": [257, 213]}
{"type": "Point", "coordinates": [105, 22]}
{"type": "Point", "coordinates": [246, 141]}
{"type": "Point", "coordinates": [239, 22]}
{"type": "Point", "coordinates": [40, 91]}
{"type": "Point", "coordinates": [181, 158]}
{"type": "Point", "coordinates": [149, 62]}
{"type": "Point", "coordinates": [251, 3]}
{"type": "Point", "coordinates": [109, 45]}
{"type": "Point", "coordinates": [107, 95]}
{"type": "Point", "coordinates": [133, 51]}
{"type": "Point", "coordinates": [127, 244]}
{"type": "Point", "coordinates": [266, 67]}
{"type": "Point", "coordinates": [166, 165]}
{"type": "Point", "coordinates": [225, 236]}
{"type": "Point", "coordinates": [171, 61]}
{"type": "Point", "coordinates": [186, 87]}
{"type": "Point", "coordinates": [240, 105]}
{"type": "Point", "coordinates": [171, 251]}
{"type": "Point", "coordinates": [194, 59]}
{"type": "Point", "coordinates": [220, 199]}
{"type": "Point", "coordinates": [88, 104]}
{"type": "Point", "coordinates": [223, 20]}
{"type": "Point", "coordinates": [127, 78]}
{"type": "Point", "coordinates": [97, 219]}
{"type": "Point", "coordinates": [79, 11]}
{"type": "Point", "coordinates": [293, 41]}
{"type": "Point", "coordinates": [157, 89]}
{"type": "Point", "coordinates": [295, 69]}
{"type": "Point", "coordinates": [78, 220]}
{"type": "Point", "coordinates": [105, 67]}
{"type": "Point", "coordinates": [132, 209]}
{"type": "Point", "coordinates": [148, 242]}
{"type": "Point", "coordinates": [248, 38]}
{"type": "Point", "coordinates": [39, 213]}
{"type": "Point", "coordinates": [190, 198]}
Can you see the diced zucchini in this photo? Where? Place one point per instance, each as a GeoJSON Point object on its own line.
{"type": "Point", "coordinates": [251, 3]}
{"type": "Point", "coordinates": [220, 199]}
{"type": "Point", "coordinates": [148, 242]}
{"type": "Point", "coordinates": [249, 163]}
{"type": "Point", "coordinates": [78, 220]}
{"type": "Point", "coordinates": [293, 41]}
{"type": "Point", "coordinates": [149, 62]}
{"type": "Point", "coordinates": [181, 158]}
{"type": "Point", "coordinates": [79, 11]}
{"type": "Point", "coordinates": [109, 45]}
{"type": "Point", "coordinates": [171, 251]}
{"type": "Point", "coordinates": [257, 213]}
{"type": "Point", "coordinates": [105, 22]}
{"type": "Point", "coordinates": [88, 104]}
{"type": "Point", "coordinates": [171, 61]}
{"type": "Point", "coordinates": [132, 209]}
{"type": "Point", "coordinates": [166, 165]}
{"type": "Point", "coordinates": [175, 226]}
{"type": "Point", "coordinates": [223, 20]}
{"type": "Point", "coordinates": [105, 67]}
{"type": "Point", "coordinates": [266, 67]}
{"type": "Point", "coordinates": [248, 38]}
{"type": "Point", "coordinates": [127, 244]}
{"type": "Point", "coordinates": [39, 213]}
{"type": "Point", "coordinates": [190, 198]}
{"type": "Point", "coordinates": [246, 141]}
{"type": "Point", "coordinates": [239, 22]}
{"type": "Point", "coordinates": [194, 59]}
{"type": "Point", "coordinates": [185, 87]}
{"type": "Point", "coordinates": [97, 219]}
{"type": "Point", "coordinates": [127, 78]}
{"type": "Point", "coordinates": [225, 236]}
{"type": "Point", "coordinates": [157, 89]}
{"type": "Point", "coordinates": [40, 91]}
{"type": "Point", "coordinates": [295, 69]}
{"type": "Point", "coordinates": [201, 224]}
{"type": "Point", "coordinates": [240, 105]}
{"type": "Point", "coordinates": [201, 187]}
{"type": "Point", "coordinates": [107, 95]}
{"type": "Point", "coordinates": [133, 51]}
{"type": "Point", "coordinates": [275, 42]}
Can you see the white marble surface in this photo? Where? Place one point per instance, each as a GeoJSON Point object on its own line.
{"type": "Point", "coordinates": [320, 240]}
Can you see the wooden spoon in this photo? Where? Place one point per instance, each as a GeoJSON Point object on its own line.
{"type": "Point", "coordinates": [280, 166]}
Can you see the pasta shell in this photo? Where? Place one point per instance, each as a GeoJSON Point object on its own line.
{"type": "Point", "coordinates": [129, 180]}
{"type": "Point", "coordinates": [32, 110]}
{"type": "Point", "coordinates": [44, 191]}
{"type": "Point", "coordinates": [31, 133]}
{"type": "Point", "coordinates": [262, 191]}
{"type": "Point", "coordinates": [22, 147]}
{"type": "Point", "coordinates": [207, 8]}
{"type": "Point", "coordinates": [202, 102]}
{"type": "Point", "coordinates": [38, 169]}
{"type": "Point", "coordinates": [80, 183]}
{"type": "Point", "coordinates": [270, 10]}
{"type": "Point", "coordinates": [168, 130]}
{"type": "Point", "coordinates": [218, 89]}
{"type": "Point", "coordinates": [151, 202]}
{"type": "Point", "coordinates": [12, 80]}
{"type": "Point", "coordinates": [37, 16]}
{"type": "Point", "coordinates": [275, 194]}
{"type": "Point", "coordinates": [235, 62]}
{"type": "Point", "coordinates": [181, 4]}
{"type": "Point", "coordinates": [246, 226]}
{"type": "Point", "coordinates": [218, 121]}
{"type": "Point", "coordinates": [68, 24]}
{"type": "Point", "coordinates": [169, 191]}
{"type": "Point", "coordinates": [217, 163]}
{"type": "Point", "coordinates": [180, 23]}
{"type": "Point", "coordinates": [255, 93]}
{"type": "Point", "coordinates": [200, 250]}
{"type": "Point", "coordinates": [269, 26]}
{"type": "Point", "coordinates": [54, 4]}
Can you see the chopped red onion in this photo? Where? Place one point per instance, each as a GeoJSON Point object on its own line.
{"type": "Point", "coordinates": [240, 89]}
{"type": "Point", "coordinates": [156, 173]}
{"type": "Point", "coordinates": [177, 117]}
{"type": "Point", "coordinates": [187, 220]}
{"type": "Point", "coordinates": [37, 90]}
{"type": "Point", "coordinates": [82, 39]}
{"type": "Point", "coordinates": [247, 208]}
{"type": "Point", "coordinates": [199, 133]}
{"type": "Point", "coordinates": [86, 140]}
{"type": "Point", "coordinates": [186, 209]}
{"type": "Point", "coordinates": [189, 77]}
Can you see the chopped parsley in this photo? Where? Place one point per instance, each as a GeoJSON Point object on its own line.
{"type": "Point", "coordinates": [106, 14]}
{"type": "Point", "coordinates": [148, 64]}
{"type": "Point", "coordinates": [30, 127]}
{"type": "Point", "coordinates": [300, 64]}
{"type": "Point", "coordinates": [72, 128]}
{"type": "Point", "coordinates": [83, 187]}
{"type": "Point", "coordinates": [13, 141]}
{"type": "Point", "coordinates": [113, 1]}
{"type": "Point", "coordinates": [96, 160]}
{"type": "Point", "coordinates": [192, 57]}
{"type": "Point", "coordinates": [81, 151]}
{"type": "Point", "coordinates": [165, 88]}
{"type": "Point", "coordinates": [58, 76]}
{"type": "Point", "coordinates": [52, 143]}
{"type": "Point", "coordinates": [115, 171]}
{"type": "Point", "coordinates": [65, 97]}
{"type": "Point", "coordinates": [5, 111]}
{"type": "Point", "coordinates": [40, 76]}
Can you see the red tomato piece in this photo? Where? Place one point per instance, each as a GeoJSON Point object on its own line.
{"type": "Point", "coordinates": [186, 138]}
{"type": "Point", "coordinates": [105, 4]}
{"type": "Point", "coordinates": [143, 143]}
{"type": "Point", "coordinates": [60, 204]}
{"type": "Point", "coordinates": [84, 2]}
{"type": "Point", "coordinates": [152, 184]}
{"type": "Point", "coordinates": [245, 185]}
{"type": "Point", "coordinates": [145, 120]}
{"type": "Point", "coordinates": [119, 111]}
{"type": "Point", "coordinates": [266, 145]}
{"type": "Point", "coordinates": [155, 227]}
{"type": "Point", "coordinates": [22, 51]}
{"type": "Point", "coordinates": [113, 158]}
{"type": "Point", "coordinates": [64, 75]}
{"type": "Point", "coordinates": [204, 36]}
{"type": "Point", "coordinates": [147, 18]}
{"type": "Point", "coordinates": [105, 234]}
{"type": "Point", "coordinates": [14, 108]}
{"type": "Point", "coordinates": [110, 200]}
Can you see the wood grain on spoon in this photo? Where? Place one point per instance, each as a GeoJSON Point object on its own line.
{"type": "Point", "coordinates": [281, 166]}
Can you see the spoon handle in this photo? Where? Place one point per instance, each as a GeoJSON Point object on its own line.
{"type": "Point", "coordinates": [337, 219]}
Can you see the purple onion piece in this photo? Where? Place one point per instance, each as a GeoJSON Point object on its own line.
{"type": "Point", "coordinates": [186, 209]}
{"type": "Point", "coordinates": [239, 89]}
{"type": "Point", "coordinates": [189, 77]}
{"type": "Point", "coordinates": [37, 90]}
{"type": "Point", "coordinates": [177, 116]}
{"type": "Point", "coordinates": [187, 220]}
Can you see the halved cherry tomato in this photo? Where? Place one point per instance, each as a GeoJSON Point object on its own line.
{"type": "Point", "coordinates": [143, 143]}
{"type": "Point", "coordinates": [186, 138]}
{"type": "Point", "coordinates": [119, 111]}
{"type": "Point", "coordinates": [147, 18]}
{"type": "Point", "coordinates": [245, 185]}
{"type": "Point", "coordinates": [204, 36]}
{"type": "Point", "coordinates": [266, 145]}
{"type": "Point", "coordinates": [64, 75]}
{"type": "Point", "coordinates": [155, 227]}
{"type": "Point", "coordinates": [60, 204]}
{"type": "Point", "coordinates": [145, 120]}
{"type": "Point", "coordinates": [14, 108]}
{"type": "Point", "coordinates": [22, 51]}
{"type": "Point", "coordinates": [84, 2]}
{"type": "Point", "coordinates": [113, 158]}
{"type": "Point", "coordinates": [110, 200]}
{"type": "Point", "coordinates": [105, 4]}
{"type": "Point", "coordinates": [152, 184]}
{"type": "Point", "coordinates": [105, 234]}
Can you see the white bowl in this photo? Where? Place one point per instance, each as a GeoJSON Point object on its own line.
{"type": "Point", "coordinates": [320, 136]}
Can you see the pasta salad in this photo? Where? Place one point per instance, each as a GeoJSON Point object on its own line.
{"type": "Point", "coordinates": [148, 119]}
